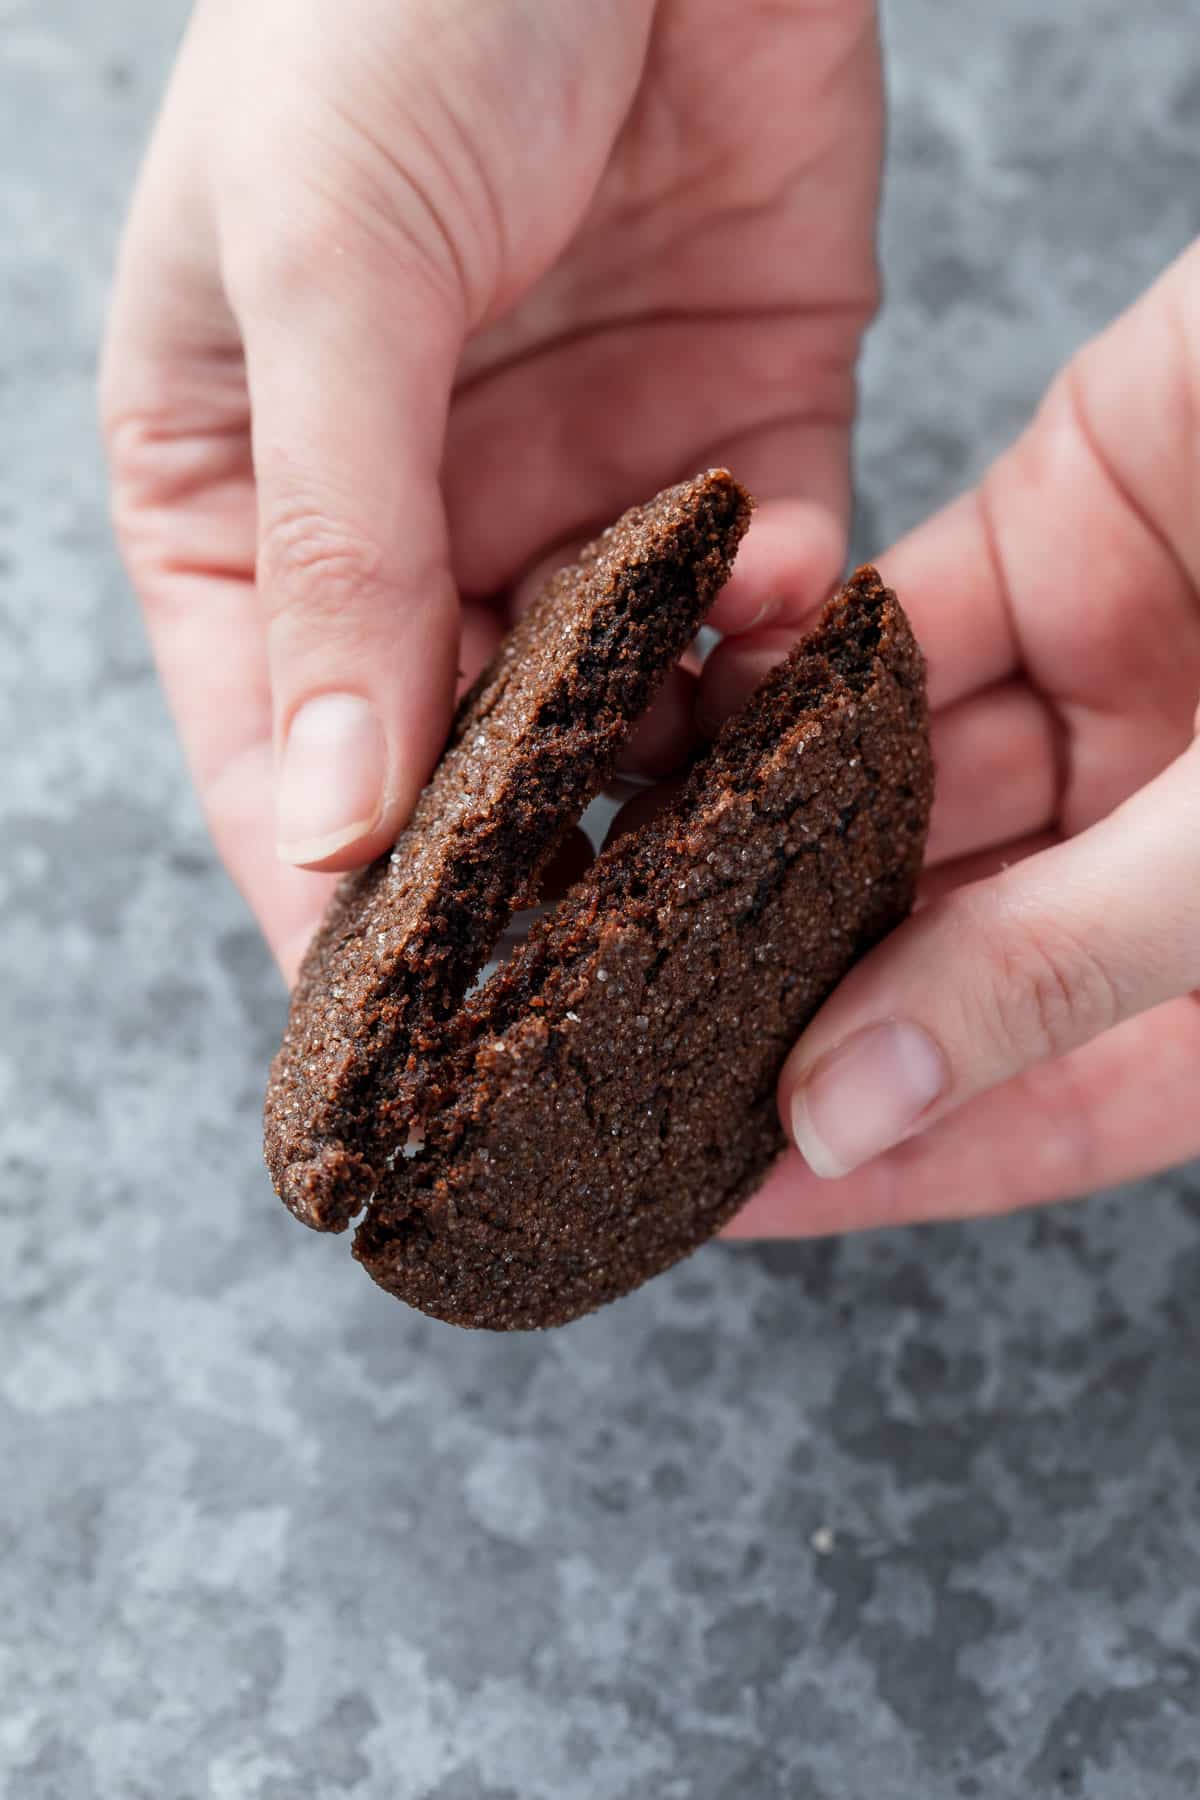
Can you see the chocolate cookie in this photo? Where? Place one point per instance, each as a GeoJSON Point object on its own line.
{"type": "Point", "coordinates": [609, 1097]}
{"type": "Point", "coordinates": [532, 742]}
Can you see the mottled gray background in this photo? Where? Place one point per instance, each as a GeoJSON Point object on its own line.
{"type": "Point", "coordinates": [910, 1518]}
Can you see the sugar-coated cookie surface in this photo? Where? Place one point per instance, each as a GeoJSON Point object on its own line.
{"type": "Point", "coordinates": [611, 1100]}
{"type": "Point", "coordinates": [532, 742]}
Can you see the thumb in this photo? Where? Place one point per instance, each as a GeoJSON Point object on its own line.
{"type": "Point", "coordinates": [350, 357]}
{"type": "Point", "coordinates": [1002, 975]}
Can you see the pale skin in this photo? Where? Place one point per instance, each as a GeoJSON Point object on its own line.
{"type": "Point", "coordinates": [413, 298]}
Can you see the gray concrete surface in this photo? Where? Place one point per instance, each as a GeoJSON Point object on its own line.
{"type": "Point", "coordinates": [913, 1518]}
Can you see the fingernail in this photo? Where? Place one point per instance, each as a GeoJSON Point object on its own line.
{"type": "Point", "coordinates": [765, 613]}
{"type": "Point", "coordinates": [331, 778]}
{"type": "Point", "coordinates": [865, 1095]}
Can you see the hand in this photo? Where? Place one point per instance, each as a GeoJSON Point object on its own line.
{"type": "Point", "coordinates": [1034, 1030]}
{"type": "Point", "coordinates": [412, 294]}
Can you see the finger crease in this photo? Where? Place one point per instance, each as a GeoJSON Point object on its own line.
{"type": "Point", "coordinates": [1080, 418]}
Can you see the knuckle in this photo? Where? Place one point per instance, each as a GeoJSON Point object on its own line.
{"type": "Point", "coordinates": [131, 441]}
{"type": "Point", "coordinates": [163, 463]}
{"type": "Point", "coordinates": [1046, 997]}
{"type": "Point", "coordinates": [132, 447]}
{"type": "Point", "coordinates": [1048, 992]}
{"type": "Point", "coordinates": [314, 563]}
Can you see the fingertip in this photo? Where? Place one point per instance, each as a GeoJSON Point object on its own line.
{"type": "Point", "coordinates": [667, 734]}
{"type": "Point", "coordinates": [331, 785]}
{"type": "Point", "coordinates": [642, 806]}
{"type": "Point", "coordinates": [781, 1207]}
{"type": "Point", "coordinates": [567, 865]}
{"type": "Point", "coordinates": [480, 638]}
{"type": "Point", "coordinates": [343, 795]}
{"type": "Point", "coordinates": [535, 578]}
{"type": "Point", "coordinates": [290, 954]}
{"type": "Point", "coordinates": [357, 843]}
{"type": "Point", "coordinates": [733, 671]}
{"type": "Point", "coordinates": [336, 856]}
{"type": "Point", "coordinates": [790, 559]}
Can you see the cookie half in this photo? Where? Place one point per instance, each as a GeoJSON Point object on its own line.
{"type": "Point", "coordinates": [532, 742]}
{"type": "Point", "coordinates": [607, 1100]}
